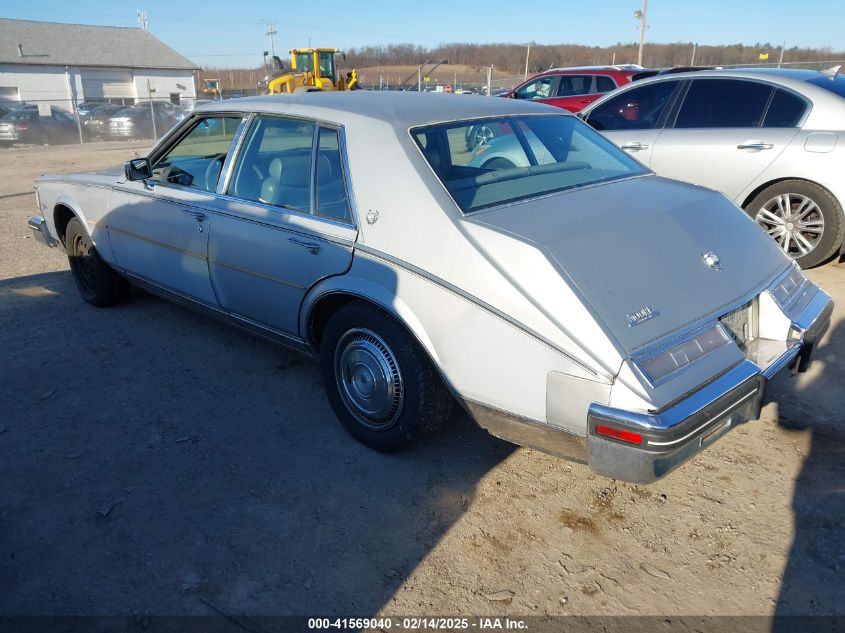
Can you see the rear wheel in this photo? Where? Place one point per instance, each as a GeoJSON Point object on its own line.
{"type": "Point", "coordinates": [97, 282]}
{"type": "Point", "coordinates": [802, 217]}
{"type": "Point", "coordinates": [379, 381]}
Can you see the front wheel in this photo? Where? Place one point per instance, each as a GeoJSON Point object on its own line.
{"type": "Point", "coordinates": [380, 383]}
{"type": "Point", "coordinates": [97, 282]}
{"type": "Point", "coordinates": [802, 217]}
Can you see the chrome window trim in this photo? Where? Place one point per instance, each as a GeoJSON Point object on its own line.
{"type": "Point", "coordinates": [234, 151]}
{"type": "Point", "coordinates": [344, 165]}
{"type": "Point", "coordinates": [776, 86]}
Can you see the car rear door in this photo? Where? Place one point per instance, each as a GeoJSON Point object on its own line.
{"type": "Point", "coordinates": [718, 136]}
{"type": "Point", "coordinates": [576, 92]}
{"type": "Point", "coordinates": [284, 220]}
{"type": "Point", "coordinates": [634, 118]}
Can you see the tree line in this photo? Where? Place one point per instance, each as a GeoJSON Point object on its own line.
{"type": "Point", "coordinates": [511, 57]}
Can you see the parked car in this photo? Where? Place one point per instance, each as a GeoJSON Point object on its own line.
{"type": "Point", "coordinates": [772, 140]}
{"type": "Point", "coordinates": [137, 121]}
{"type": "Point", "coordinates": [26, 125]}
{"type": "Point", "coordinates": [568, 88]}
{"type": "Point", "coordinates": [575, 88]}
{"type": "Point", "coordinates": [350, 226]}
{"type": "Point", "coordinates": [95, 122]}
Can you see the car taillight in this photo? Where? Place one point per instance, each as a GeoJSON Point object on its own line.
{"type": "Point", "coordinates": [619, 434]}
{"type": "Point", "coordinates": [21, 126]}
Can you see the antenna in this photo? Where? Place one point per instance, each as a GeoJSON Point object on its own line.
{"type": "Point", "coordinates": [142, 20]}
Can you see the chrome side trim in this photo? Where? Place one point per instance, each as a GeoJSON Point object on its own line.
{"type": "Point", "coordinates": [234, 152]}
{"type": "Point", "coordinates": [540, 436]}
{"type": "Point", "coordinates": [474, 300]}
{"type": "Point", "coordinates": [257, 329]}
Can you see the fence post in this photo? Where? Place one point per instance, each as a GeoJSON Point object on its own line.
{"type": "Point", "coordinates": [152, 110]}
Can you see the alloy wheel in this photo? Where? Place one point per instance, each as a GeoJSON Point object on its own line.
{"type": "Point", "coordinates": [794, 221]}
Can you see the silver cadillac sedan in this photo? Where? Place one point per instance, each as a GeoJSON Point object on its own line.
{"type": "Point", "coordinates": [575, 303]}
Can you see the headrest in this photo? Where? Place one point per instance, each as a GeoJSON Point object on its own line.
{"type": "Point", "coordinates": [275, 169]}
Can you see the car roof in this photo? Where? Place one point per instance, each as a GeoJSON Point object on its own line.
{"type": "Point", "coordinates": [796, 78]}
{"type": "Point", "coordinates": [401, 110]}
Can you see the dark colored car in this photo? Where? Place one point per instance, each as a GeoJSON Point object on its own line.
{"type": "Point", "coordinates": [574, 88]}
{"type": "Point", "coordinates": [95, 120]}
{"type": "Point", "coordinates": [137, 121]}
{"type": "Point", "coordinates": [27, 125]}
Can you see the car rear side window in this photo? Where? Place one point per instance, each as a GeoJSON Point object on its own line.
{"type": "Point", "coordinates": [275, 165]}
{"type": "Point", "coordinates": [785, 110]}
{"type": "Point", "coordinates": [723, 103]}
{"type": "Point", "coordinates": [572, 85]}
{"type": "Point", "coordinates": [636, 109]}
{"type": "Point", "coordinates": [604, 84]}
{"type": "Point", "coordinates": [331, 193]}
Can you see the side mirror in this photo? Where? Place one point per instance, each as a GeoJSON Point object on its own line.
{"type": "Point", "coordinates": [138, 169]}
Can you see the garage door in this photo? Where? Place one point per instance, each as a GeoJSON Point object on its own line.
{"type": "Point", "coordinates": [107, 84]}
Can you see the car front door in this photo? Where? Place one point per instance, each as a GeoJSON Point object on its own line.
{"type": "Point", "coordinates": [158, 228]}
{"type": "Point", "coordinates": [634, 118]}
{"type": "Point", "coordinates": [284, 221]}
{"type": "Point", "coordinates": [718, 138]}
{"type": "Point", "coordinates": [542, 89]}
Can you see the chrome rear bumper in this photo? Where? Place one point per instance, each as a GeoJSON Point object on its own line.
{"type": "Point", "coordinates": [650, 445]}
{"type": "Point", "coordinates": [41, 232]}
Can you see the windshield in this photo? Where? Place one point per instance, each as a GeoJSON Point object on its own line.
{"type": "Point", "coordinates": [484, 163]}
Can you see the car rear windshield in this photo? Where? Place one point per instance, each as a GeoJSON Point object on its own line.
{"type": "Point", "coordinates": [488, 162]}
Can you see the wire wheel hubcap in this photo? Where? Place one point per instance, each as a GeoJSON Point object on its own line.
{"type": "Point", "coordinates": [368, 379]}
{"type": "Point", "coordinates": [794, 221]}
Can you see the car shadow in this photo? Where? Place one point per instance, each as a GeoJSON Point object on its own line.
{"type": "Point", "coordinates": [156, 462]}
{"type": "Point", "coordinates": [813, 582]}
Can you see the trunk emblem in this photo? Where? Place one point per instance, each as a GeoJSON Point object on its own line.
{"type": "Point", "coordinates": [712, 260]}
{"type": "Point", "coordinates": [641, 315]}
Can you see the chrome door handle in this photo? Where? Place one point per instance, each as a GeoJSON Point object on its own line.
{"type": "Point", "coordinates": [311, 247]}
{"type": "Point", "coordinates": [754, 145]}
{"type": "Point", "coordinates": [635, 146]}
{"type": "Point", "coordinates": [197, 215]}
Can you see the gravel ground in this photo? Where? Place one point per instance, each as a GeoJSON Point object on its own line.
{"type": "Point", "coordinates": [152, 461]}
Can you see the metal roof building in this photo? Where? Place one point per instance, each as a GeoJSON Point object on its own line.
{"type": "Point", "coordinates": [64, 64]}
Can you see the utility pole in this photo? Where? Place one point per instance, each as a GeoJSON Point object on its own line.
{"type": "Point", "coordinates": [527, 53]}
{"type": "Point", "coordinates": [489, 80]}
{"type": "Point", "coordinates": [782, 46]}
{"type": "Point", "coordinates": [692, 60]}
{"type": "Point", "coordinates": [142, 20]}
{"type": "Point", "coordinates": [641, 16]}
{"type": "Point", "coordinates": [271, 33]}
{"type": "Point", "coordinates": [419, 79]}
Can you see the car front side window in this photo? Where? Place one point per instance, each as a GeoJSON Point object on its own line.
{"type": "Point", "coordinates": [636, 109]}
{"type": "Point", "coordinates": [538, 89]}
{"type": "Point", "coordinates": [196, 160]}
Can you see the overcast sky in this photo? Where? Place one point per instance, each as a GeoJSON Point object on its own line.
{"type": "Point", "coordinates": [226, 33]}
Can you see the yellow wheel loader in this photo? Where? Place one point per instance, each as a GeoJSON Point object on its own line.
{"type": "Point", "coordinates": [313, 69]}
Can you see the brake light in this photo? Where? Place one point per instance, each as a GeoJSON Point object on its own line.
{"type": "Point", "coordinates": [22, 126]}
{"type": "Point", "coordinates": [619, 434]}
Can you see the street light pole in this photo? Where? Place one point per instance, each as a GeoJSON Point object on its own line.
{"type": "Point", "coordinates": [641, 16]}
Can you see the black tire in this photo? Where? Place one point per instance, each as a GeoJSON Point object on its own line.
{"type": "Point", "coordinates": [825, 216]}
{"type": "Point", "coordinates": [415, 408]}
{"type": "Point", "coordinates": [97, 282]}
{"type": "Point", "coordinates": [498, 163]}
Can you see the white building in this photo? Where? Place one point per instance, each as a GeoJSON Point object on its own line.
{"type": "Point", "coordinates": [64, 64]}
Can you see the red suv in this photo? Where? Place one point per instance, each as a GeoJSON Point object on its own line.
{"type": "Point", "coordinates": [576, 88]}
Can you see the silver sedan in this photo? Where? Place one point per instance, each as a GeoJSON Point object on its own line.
{"type": "Point", "coordinates": [772, 140]}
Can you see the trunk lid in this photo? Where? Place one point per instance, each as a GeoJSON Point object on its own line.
{"type": "Point", "coordinates": [638, 249]}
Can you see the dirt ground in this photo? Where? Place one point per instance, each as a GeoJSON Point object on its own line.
{"type": "Point", "coordinates": [152, 461]}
